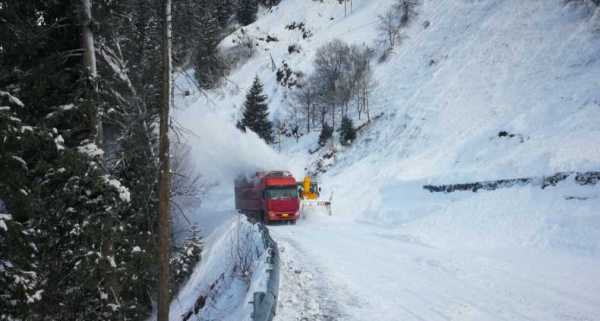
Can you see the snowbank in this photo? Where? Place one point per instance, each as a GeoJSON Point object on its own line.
{"type": "Point", "coordinates": [220, 288]}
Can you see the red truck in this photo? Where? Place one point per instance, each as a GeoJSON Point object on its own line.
{"type": "Point", "coordinates": [269, 196]}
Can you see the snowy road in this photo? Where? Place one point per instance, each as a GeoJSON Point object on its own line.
{"type": "Point", "coordinates": [305, 292]}
{"type": "Point", "coordinates": [340, 270]}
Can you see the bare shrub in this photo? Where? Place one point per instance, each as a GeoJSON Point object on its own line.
{"type": "Point", "coordinates": [406, 11]}
{"type": "Point", "coordinates": [245, 248]}
{"type": "Point", "coordinates": [188, 187]}
{"type": "Point", "coordinates": [389, 29]}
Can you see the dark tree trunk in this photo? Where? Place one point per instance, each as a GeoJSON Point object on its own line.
{"type": "Point", "coordinates": [165, 175]}
{"type": "Point", "coordinates": [89, 61]}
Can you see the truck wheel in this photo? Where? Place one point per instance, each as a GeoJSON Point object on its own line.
{"type": "Point", "coordinates": [253, 217]}
{"type": "Point", "coordinates": [264, 218]}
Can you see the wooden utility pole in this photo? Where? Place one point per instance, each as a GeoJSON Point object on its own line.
{"type": "Point", "coordinates": [165, 171]}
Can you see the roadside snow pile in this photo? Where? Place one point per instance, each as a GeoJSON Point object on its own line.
{"type": "Point", "coordinates": [222, 286]}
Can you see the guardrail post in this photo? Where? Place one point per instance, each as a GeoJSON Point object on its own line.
{"type": "Point", "coordinates": [258, 313]}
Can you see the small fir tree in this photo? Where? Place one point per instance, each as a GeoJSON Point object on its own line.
{"type": "Point", "coordinates": [347, 131]}
{"type": "Point", "coordinates": [184, 258]}
{"type": "Point", "coordinates": [18, 256]}
{"type": "Point", "coordinates": [210, 66]}
{"type": "Point", "coordinates": [256, 113]}
{"type": "Point", "coordinates": [247, 12]}
{"type": "Point", "coordinates": [224, 11]}
{"type": "Point", "coordinates": [326, 133]}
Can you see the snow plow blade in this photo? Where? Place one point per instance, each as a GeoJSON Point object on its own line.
{"type": "Point", "coordinates": [312, 206]}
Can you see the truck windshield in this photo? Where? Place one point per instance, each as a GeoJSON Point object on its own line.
{"type": "Point", "coordinates": [279, 193]}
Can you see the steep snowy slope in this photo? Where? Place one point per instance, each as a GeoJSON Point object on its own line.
{"type": "Point", "coordinates": [393, 251]}
{"type": "Point", "coordinates": [526, 67]}
{"type": "Point", "coordinates": [530, 68]}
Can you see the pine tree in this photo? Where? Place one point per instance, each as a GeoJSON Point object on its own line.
{"type": "Point", "coordinates": [325, 135]}
{"type": "Point", "coordinates": [256, 113]}
{"type": "Point", "coordinates": [210, 66]}
{"type": "Point", "coordinates": [347, 131]}
{"type": "Point", "coordinates": [17, 247]}
{"type": "Point", "coordinates": [247, 12]}
{"type": "Point", "coordinates": [185, 257]}
{"type": "Point", "coordinates": [269, 3]}
{"type": "Point", "coordinates": [224, 11]}
{"type": "Point", "coordinates": [76, 216]}
{"type": "Point", "coordinates": [79, 232]}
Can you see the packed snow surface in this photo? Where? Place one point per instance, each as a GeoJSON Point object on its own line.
{"type": "Point", "coordinates": [391, 250]}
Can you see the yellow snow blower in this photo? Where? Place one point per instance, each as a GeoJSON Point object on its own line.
{"type": "Point", "coordinates": [310, 193]}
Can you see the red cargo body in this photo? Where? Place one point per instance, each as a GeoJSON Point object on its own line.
{"type": "Point", "coordinates": [270, 196]}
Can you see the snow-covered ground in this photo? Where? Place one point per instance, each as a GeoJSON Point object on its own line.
{"type": "Point", "coordinates": [373, 272]}
{"type": "Point", "coordinates": [393, 251]}
{"type": "Point", "coordinates": [222, 285]}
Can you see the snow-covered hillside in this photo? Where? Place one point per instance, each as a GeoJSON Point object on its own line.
{"type": "Point", "coordinates": [392, 250]}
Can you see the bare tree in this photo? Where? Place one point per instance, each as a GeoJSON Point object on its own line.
{"type": "Point", "coordinates": [306, 97]}
{"type": "Point", "coordinates": [187, 187]}
{"type": "Point", "coordinates": [164, 173]}
{"type": "Point", "coordinates": [366, 84]}
{"type": "Point", "coordinates": [342, 73]}
{"type": "Point", "coordinates": [346, 6]}
{"type": "Point", "coordinates": [406, 11]}
{"type": "Point", "coordinates": [389, 29]}
{"type": "Point", "coordinates": [244, 252]}
{"type": "Point", "coordinates": [331, 63]}
{"type": "Point", "coordinates": [362, 78]}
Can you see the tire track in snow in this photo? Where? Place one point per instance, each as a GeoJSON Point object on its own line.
{"type": "Point", "coordinates": [305, 294]}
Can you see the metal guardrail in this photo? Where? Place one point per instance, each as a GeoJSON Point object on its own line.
{"type": "Point", "coordinates": [265, 303]}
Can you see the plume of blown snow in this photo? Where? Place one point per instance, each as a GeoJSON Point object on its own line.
{"type": "Point", "coordinates": [219, 150]}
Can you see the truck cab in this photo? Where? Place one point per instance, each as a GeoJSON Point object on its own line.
{"type": "Point", "coordinates": [270, 196]}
